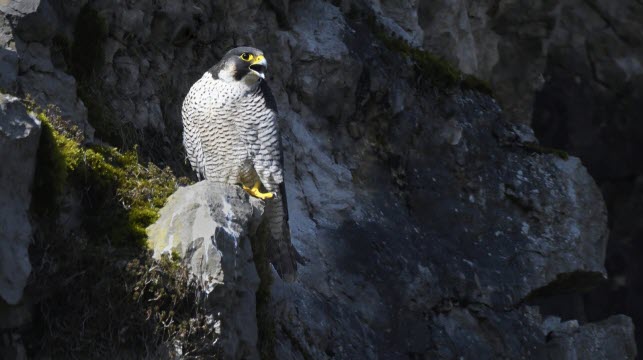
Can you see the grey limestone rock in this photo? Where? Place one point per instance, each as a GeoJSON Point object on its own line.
{"type": "Point", "coordinates": [504, 43]}
{"type": "Point", "coordinates": [8, 69]}
{"type": "Point", "coordinates": [27, 29]}
{"type": "Point", "coordinates": [19, 136]}
{"type": "Point", "coordinates": [604, 340]}
{"type": "Point", "coordinates": [590, 106]}
{"type": "Point", "coordinates": [595, 76]}
{"type": "Point", "coordinates": [400, 17]}
{"type": "Point", "coordinates": [441, 214]}
{"type": "Point", "coordinates": [442, 245]}
{"type": "Point", "coordinates": [209, 225]}
{"type": "Point", "coordinates": [38, 24]}
{"type": "Point", "coordinates": [19, 8]}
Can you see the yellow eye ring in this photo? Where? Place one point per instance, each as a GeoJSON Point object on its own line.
{"type": "Point", "coordinates": [246, 57]}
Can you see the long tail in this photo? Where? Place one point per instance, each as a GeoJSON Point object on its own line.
{"type": "Point", "coordinates": [282, 254]}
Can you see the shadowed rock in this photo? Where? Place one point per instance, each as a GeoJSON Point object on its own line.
{"type": "Point", "coordinates": [603, 340]}
{"type": "Point", "coordinates": [19, 134]}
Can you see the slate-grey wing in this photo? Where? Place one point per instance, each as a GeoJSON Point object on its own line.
{"type": "Point", "coordinates": [270, 169]}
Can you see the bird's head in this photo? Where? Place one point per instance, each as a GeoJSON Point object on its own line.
{"type": "Point", "coordinates": [245, 64]}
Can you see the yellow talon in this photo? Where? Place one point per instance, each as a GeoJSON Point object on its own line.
{"type": "Point", "coordinates": [254, 191]}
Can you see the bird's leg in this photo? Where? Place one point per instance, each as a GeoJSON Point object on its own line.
{"type": "Point", "coordinates": [254, 191]}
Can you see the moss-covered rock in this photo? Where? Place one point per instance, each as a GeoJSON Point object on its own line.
{"type": "Point", "coordinates": [439, 72]}
{"type": "Point", "coordinates": [121, 197]}
{"type": "Point", "coordinates": [99, 291]}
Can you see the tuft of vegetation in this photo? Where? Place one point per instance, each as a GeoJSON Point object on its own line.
{"type": "Point", "coordinates": [120, 196]}
{"type": "Point", "coordinates": [545, 150]}
{"type": "Point", "coordinates": [96, 289]}
{"type": "Point", "coordinates": [441, 74]}
{"type": "Point", "coordinates": [96, 302]}
{"type": "Point", "coordinates": [473, 83]}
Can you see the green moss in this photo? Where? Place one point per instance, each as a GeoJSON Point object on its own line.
{"type": "Point", "coordinates": [120, 196]}
{"type": "Point", "coordinates": [441, 74]}
{"type": "Point", "coordinates": [175, 256]}
{"type": "Point", "coordinates": [103, 295]}
{"type": "Point", "coordinates": [546, 150]}
{"type": "Point", "coordinates": [473, 83]}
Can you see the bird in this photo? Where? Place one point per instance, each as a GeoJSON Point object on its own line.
{"type": "Point", "coordinates": [231, 135]}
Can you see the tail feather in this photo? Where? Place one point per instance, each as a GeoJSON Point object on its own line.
{"type": "Point", "coordinates": [282, 254]}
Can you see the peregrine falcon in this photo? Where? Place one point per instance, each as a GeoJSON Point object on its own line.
{"type": "Point", "coordinates": [231, 135]}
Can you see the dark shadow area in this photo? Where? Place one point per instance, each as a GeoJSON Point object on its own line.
{"type": "Point", "coordinates": [95, 291]}
{"type": "Point", "coordinates": [84, 57]}
{"type": "Point", "coordinates": [601, 124]}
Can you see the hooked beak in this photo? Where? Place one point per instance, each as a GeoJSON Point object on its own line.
{"type": "Point", "coordinates": [259, 66]}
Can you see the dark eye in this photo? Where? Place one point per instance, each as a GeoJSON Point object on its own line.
{"type": "Point", "coordinates": [246, 57]}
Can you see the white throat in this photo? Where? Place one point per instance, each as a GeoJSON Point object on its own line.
{"type": "Point", "coordinates": [249, 82]}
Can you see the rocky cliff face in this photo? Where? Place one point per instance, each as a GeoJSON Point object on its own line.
{"type": "Point", "coordinates": [590, 106]}
{"type": "Point", "coordinates": [574, 67]}
{"type": "Point", "coordinates": [19, 133]}
{"type": "Point", "coordinates": [428, 217]}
